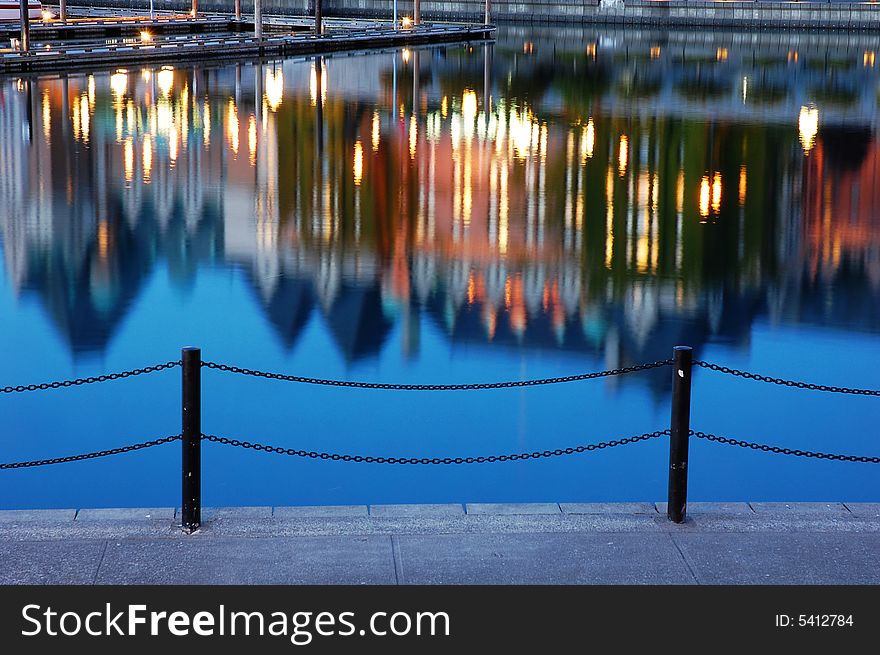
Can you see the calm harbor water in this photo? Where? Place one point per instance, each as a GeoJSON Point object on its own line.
{"type": "Point", "coordinates": [561, 202]}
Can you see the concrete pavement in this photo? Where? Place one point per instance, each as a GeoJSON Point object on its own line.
{"type": "Point", "coordinates": [543, 543]}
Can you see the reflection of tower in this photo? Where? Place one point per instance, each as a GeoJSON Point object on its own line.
{"type": "Point", "coordinates": [790, 241]}
{"type": "Point", "coordinates": [266, 192]}
{"type": "Point", "coordinates": [410, 323]}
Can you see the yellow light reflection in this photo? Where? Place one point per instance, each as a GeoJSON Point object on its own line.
{"type": "Point", "coordinates": [232, 126]}
{"type": "Point", "coordinates": [742, 186]}
{"type": "Point", "coordinates": [376, 135]}
{"type": "Point", "coordinates": [84, 116]}
{"type": "Point", "coordinates": [868, 59]}
{"type": "Point", "coordinates": [103, 239]}
{"type": "Point", "coordinates": [128, 160]}
{"type": "Point", "coordinates": [444, 106]}
{"type": "Point", "coordinates": [405, 55]}
{"type": "Point", "coordinates": [274, 88]}
{"type": "Point", "coordinates": [47, 116]}
{"type": "Point", "coordinates": [129, 116]}
{"type": "Point", "coordinates": [252, 139]}
{"type": "Point", "coordinates": [588, 140]}
{"type": "Point", "coordinates": [119, 83]}
{"type": "Point", "coordinates": [164, 116]}
{"type": "Point", "coordinates": [716, 192]}
{"type": "Point", "coordinates": [721, 54]}
{"type": "Point", "coordinates": [206, 123]}
{"type": "Point", "coordinates": [413, 136]}
{"type": "Point", "coordinates": [358, 163]}
{"type": "Point", "coordinates": [679, 192]}
{"type": "Point", "coordinates": [609, 217]}
{"type": "Point", "coordinates": [469, 106]}
{"type": "Point", "coordinates": [808, 127]}
{"type": "Point", "coordinates": [521, 132]}
{"type": "Point", "coordinates": [147, 159]}
{"type": "Point", "coordinates": [623, 155]}
{"type": "Point", "coordinates": [704, 196]}
{"type": "Point", "coordinates": [165, 80]}
{"type": "Point", "coordinates": [91, 89]}
{"type": "Point", "coordinates": [655, 52]}
{"type": "Point", "coordinates": [75, 119]}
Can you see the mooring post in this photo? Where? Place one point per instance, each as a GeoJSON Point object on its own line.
{"type": "Point", "coordinates": [318, 27]}
{"type": "Point", "coordinates": [195, 8]}
{"type": "Point", "coordinates": [62, 10]}
{"type": "Point", "coordinates": [237, 9]}
{"type": "Point", "coordinates": [417, 12]}
{"type": "Point", "coordinates": [25, 40]}
{"type": "Point", "coordinates": [488, 12]}
{"type": "Point", "coordinates": [191, 379]}
{"type": "Point", "coordinates": [679, 431]}
{"type": "Point", "coordinates": [258, 19]}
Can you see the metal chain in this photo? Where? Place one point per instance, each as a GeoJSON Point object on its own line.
{"type": "Point", "coordinates": [94, 455]}
{"type": "Point", "coordinates": [91, 380]}
{"type": "Point", "coordinates": [369, 459]}
{"type": "Point", "coordinates": [435, 387]}
{"type": "Point", "coordinates": [786, 383]}
{"type": "Point", "coordinates": [488, 459]}
{"type": "Point", "coordinates": [785, 451]}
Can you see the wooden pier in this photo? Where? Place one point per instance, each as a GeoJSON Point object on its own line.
{"type": "Point", "coordinates": [109, 41]}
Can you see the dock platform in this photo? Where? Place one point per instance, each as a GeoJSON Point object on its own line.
{"type": "Point", "coordinates": [104, 40]}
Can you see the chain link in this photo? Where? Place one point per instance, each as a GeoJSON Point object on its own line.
{"type": "Point", "coordinates": [488, 459]}
{"type": "Point", "coordinates": [91, 380]}
{"type": "Point", "coordinates": [94, 455]}
{"type": "Point", "coordinates": [785, 451]}
{"type": "Point", "coordinates": [435, 387]}
{"type": "Point", "coordinates": [786, 383]}
{"type": "Point", "coordinates": [369, 459]}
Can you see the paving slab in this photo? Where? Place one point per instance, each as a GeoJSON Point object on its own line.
{"type": "Point", "coordinates": [127, 514]}
{"type": "Point", "coordinates": [426, 510]}
{"type": "Point", "coordinates": [508, 509]}
{"type": "Point", "coordinates": [221, 560]}
{"type": "Point", "coordinates": [782, 558]}
{"type": "Point", "coordinates": [41, 515]}
{"type": "Point", "coordinates": [320, 511]}
{"type": "Point", "coordinates": [864, 510]}
{"type": "Point", "coordinates": [800, 508]}
{"type": "Point", "coordinates": [214, 513]}
{"type": "Point", "coordinates": [608, 508]}
{"type": "Point", "coordinates": [614, 558]}
{"type": "Point", "coordinates": [50, 562]}
{"type": "Point", "coordinates": [726, 509]}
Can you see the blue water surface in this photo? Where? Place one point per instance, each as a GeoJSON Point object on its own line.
{"type": "Point", "coordinates": [457, 214]}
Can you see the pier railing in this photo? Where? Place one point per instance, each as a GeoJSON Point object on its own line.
{"type": "Point", "coordinates": [679, 431]}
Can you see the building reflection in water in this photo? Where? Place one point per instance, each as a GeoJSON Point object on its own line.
{"type": "Point", "coordinates": [519, 200]}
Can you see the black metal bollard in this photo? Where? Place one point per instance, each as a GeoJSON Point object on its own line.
{"type": "Point", "coordinates": [676, 505]}
{"type": "Point", "coordinates": [192, 438]}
